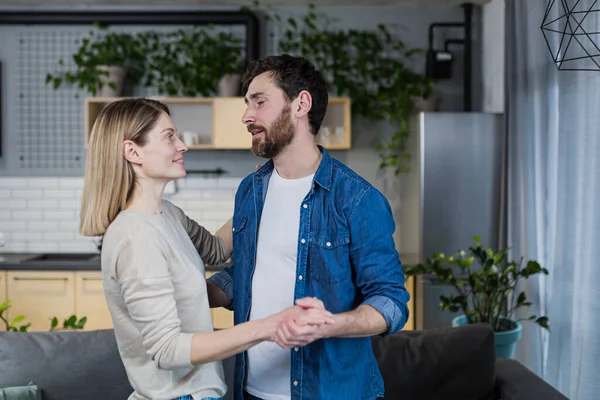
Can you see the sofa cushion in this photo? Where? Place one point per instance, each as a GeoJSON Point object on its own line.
{"type": "Point", "coordinates": [29, 392]}
{"type": "Point", "coordinates": [446, 363]}
{"type": "Point", "coordinates": [65, 365]}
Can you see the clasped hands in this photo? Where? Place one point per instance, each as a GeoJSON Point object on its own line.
{"type": "Point", "coordinates": [303, 323]}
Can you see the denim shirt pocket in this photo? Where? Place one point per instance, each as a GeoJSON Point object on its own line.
{"type": "Point", "coordinates": [329, 255]}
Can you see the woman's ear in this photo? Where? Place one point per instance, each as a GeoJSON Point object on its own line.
{"type": "Point", "coordinates": [131, 152]}
{"type": "Point", "coordinates": [304, 103]}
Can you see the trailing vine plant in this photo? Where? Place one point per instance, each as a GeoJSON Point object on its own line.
{"type": "Point", "coordinates": [369, 66]}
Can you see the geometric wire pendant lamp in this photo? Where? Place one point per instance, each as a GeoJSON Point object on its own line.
{"type": "Point", "coordinates": [571, 29]}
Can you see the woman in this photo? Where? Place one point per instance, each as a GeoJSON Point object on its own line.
{"type": "Point", "coordinates": [153, 259]}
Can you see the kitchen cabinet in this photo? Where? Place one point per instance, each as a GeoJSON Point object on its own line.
{"type": "Point", "coordinates": [2, 295]}
{"type": "Point", "coordinates": [2, 286]}
{"type": "Point", "coordinates": [40, 295]}
{"type": "Point", "coordinates": [89, 300]}
{"type": "Point", "coordinates": [410, 288]}
{"type": "Point", "coordinates": [213, 123]}
{"type": "Point", "coordinates": [221, 317]}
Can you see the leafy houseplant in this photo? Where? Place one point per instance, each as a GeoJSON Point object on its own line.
{"type": "Point", "coordinates": [482, 291]}
{"type": "Point", "coordinates": [98, 53]}
{"type": "Point", "coordinates": [191, 63]}
{"type": "Point", "coordinates": [369, 66]}
{"type": "Point", "coordinates": [18, 325]}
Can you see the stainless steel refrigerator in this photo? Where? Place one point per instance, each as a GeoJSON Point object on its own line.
{"type": "Point", "coordinates": [453, 191]}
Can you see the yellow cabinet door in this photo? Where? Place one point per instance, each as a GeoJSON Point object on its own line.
{"type": "Point", "coordinates": [3, 296]}
{"type": "Point", "coordinates": [41, 295]}
{"type": "Point", "coordinates": [221, 317]}
{"type": "Point", "coordinates": [228, 130]}
{"type": "Point", "coordinates": [410, 288]}
{"type": "Point", "coordinates": [3, 286]}
{"type": "Point", "coordinates": [90, 301]}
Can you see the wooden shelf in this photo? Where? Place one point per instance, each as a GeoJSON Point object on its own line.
{"type": "Point", "coordinates": [216, 121]}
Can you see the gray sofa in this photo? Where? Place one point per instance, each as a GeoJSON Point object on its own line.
{"type": "Point", "coordinates": [453, 363]}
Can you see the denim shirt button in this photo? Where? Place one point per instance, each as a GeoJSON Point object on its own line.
{"type": "Point", "coordinates": [328, 244]}
{"type": "Point", "coordinates": [295, 383]}
{"type": "Point", "coordinates": [304, 206]}
{"type": "Point", "coordinates": [300, 277]}
{"type": "Point", "coordinates": [296, 349]}
{"type": "Point", "coordinates": [302, 241]}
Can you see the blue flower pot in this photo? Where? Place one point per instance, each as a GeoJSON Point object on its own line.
{"type": "Point", "coordinates": [506, 342]}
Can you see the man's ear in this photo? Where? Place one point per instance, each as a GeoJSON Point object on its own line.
{"type": "Point", "coordinates": [131, 152]}
{"type": "Point", "coordinates": [304, 101]}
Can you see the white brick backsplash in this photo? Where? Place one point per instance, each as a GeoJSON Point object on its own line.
{"type": "Point", "coordinates": [217, 216]}
{"type": "Point", "coordinates": [60, 215]}
{"type": "Point", "coordinates": [195, 183]}
{"type": "Point", "coordinates": [58, 236]}
{"type": "Point", "coordinates": [42, 226]}
{"type": "Point", "coordinates": [77, 246]}
{"type": "Point", "coordinates": [200, 204]}
{"type": "Point", "coordinates": [27, 215]}
{"type": "Point", "coordinates": [12, 204]}
{"type": "Point", "coordinates": [41, 214]}
{"type": "Point", "coordinates": [26, 194]}
{"type": "Point", "coordinates": [70, 183]}
{"type": "Point", "coordinates": [42, 247]}
{"type": "Point", "coordinates": [13, 183]}
{"type": "Point", "coordinates": [42, 204]}
{"type": "Point", "coordinates": [229, 183]}
{"type": "Point", "coordinates": [220, 193]}
{"type": "Point", "coordinates": [13, 226]}
{"type": "Point", "coordinates": [59, 194]}
{"type": "Point", "coordinates": [26, 236]}
{"type": "Point", "coordinates": [39, 183]}
{"type": "Point", "coordinates": [70, 204]}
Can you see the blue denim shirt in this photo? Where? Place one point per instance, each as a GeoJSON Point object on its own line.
{"type": "Point", "coordinates": [346, 257]}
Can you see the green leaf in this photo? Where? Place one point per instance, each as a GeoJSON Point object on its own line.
{"type": "Point", "coordinates": [54, 323]}
{"type": "Point", "coordinates": [70, 322]}
{"type": "Point", "coordinates": [17, 319]}
{"type": "Point", "coordinates": [81, 323]}
{"type": "Point", "coordinates": [543, 322]}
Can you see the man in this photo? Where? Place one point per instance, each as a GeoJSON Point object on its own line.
{"type": "Point", "coordinates": [305, 225]}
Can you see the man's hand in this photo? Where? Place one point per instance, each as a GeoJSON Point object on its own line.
{"type": "Point", "coordinates": [294, 329]}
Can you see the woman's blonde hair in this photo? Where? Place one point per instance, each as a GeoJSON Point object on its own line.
{"type": "Point", "coordinates": [109, 177]}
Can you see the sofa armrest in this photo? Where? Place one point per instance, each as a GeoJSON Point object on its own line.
{"type": "Point", "coordinates": [515, 382]}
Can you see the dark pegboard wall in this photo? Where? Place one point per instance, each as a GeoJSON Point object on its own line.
{"type": "Point", "coordinates": [47, 125]}
{"type": "Point", "coordinates": [50, 122]}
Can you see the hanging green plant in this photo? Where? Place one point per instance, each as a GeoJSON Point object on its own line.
{"type": "Point", "coordinates": [191, 63]}
{"type": "Point", "coordinates": [100, 50]}
{"type": "Point", "coordinates": [369, 66]}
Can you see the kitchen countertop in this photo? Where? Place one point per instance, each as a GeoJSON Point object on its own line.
{"type": "Point", "coordinates": [56, 262]}
{"type": "Point", "coordinates": [89, 262]}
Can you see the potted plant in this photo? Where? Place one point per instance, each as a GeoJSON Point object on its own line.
{"type": "Point", "coordinates": [102, 62]}
{"type": "Point", "coordinates": [17, 324]}
{"type": "Point", "coordinates": [193, 63]}
{"type": "Point", "coordinates": [372, 67]}
{"type": "Point", "coordinates": [485, 292]}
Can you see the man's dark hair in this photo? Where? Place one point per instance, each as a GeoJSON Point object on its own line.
{"type": "Point", "coordinates": [293, 75]}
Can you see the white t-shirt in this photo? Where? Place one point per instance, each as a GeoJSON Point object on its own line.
{"type": "Point", "coordinates": [273, 282]}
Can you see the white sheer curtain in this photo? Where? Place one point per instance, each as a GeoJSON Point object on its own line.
{"type": "Point", "coordinates": [553, 120]}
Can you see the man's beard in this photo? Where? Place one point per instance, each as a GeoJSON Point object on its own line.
{"type": "Point", "coordinates": [276, 137]}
